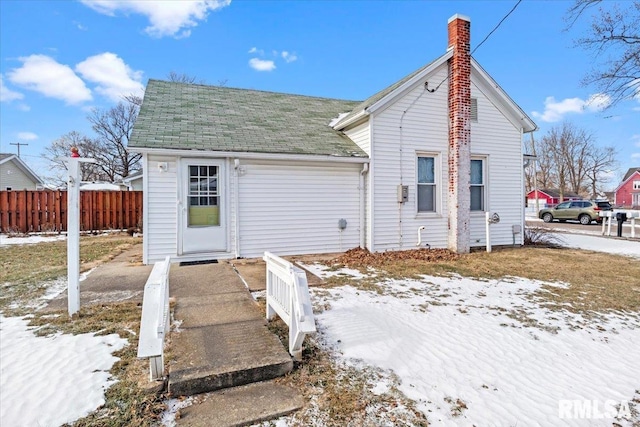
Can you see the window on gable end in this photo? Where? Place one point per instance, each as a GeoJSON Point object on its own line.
{"type": "Point", "coordinates": [426, 183]}
{"type": "Point", "coordinates": [478, 187]}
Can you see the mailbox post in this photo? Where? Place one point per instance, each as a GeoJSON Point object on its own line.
{"type": "Point", "coordinates": [621, 217]}
{"type": "Point", "coordinates": [490, 219]}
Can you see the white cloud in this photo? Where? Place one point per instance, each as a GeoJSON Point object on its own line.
{"type": "Point", "coordinates": [113, 77]}
{"type": "Point", "coordinates": [27, 136]}
{"type": "Point", "coordinates": [80, 26]}
{"type": "Point", "coordinates": [636, 139]}
{"type": "Point", "coordinates": [6, 94]}
{"type": "Point", "coordinates": [43, 74]}
{"type": "Point", "coordinates": [289, 57]}
{"type": "Point", "coordinates": [597, 102]}
{"type": "Point", "coordinates": [256, 51]}
{"type": "Point", "coordinates": [262, 64]}
{"type": "Point", "coordinates": [167, 18]}
{"type": "Point", "coordinates": [635, 156]}
{"type": "Point", "coordinates": [554, 111]}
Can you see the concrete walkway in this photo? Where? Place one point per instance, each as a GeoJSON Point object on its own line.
{"type": "Point", "coordinates": [222, 343]}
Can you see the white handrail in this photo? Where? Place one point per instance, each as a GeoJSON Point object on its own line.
{"type": "Point", "coordinates": [154, 323]}
{"type": "Point", "coordinates": [288, 297]}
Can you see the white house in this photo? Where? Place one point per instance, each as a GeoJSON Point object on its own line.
{"type": "Point", "coordinates": [16, 175]}
{"type": "Point", "coordinates": [234, 172]}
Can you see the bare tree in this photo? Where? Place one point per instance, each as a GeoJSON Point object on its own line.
{"type": "Point", "coordinates": [114, 127]}
{"type": "Point", "coordinates": [614, 40]}
{"type": "Point", "coordinates": [174, 76]}
{"type": "Point", "coordinates": [61, 148]}
{"type": "Point", "coordinates": [570, 160]}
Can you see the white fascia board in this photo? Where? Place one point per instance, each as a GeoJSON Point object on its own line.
{"type": "Point", "coordinates": [409, 84]}
{"type": "Point", "coordinates": [343, 124]}
{"type": "Point", "coordinates": [245, 155]}
{"type": "Point", "coordinates": [6, 159]}
{"type": "Point", "coordinates": [525, 122]}
{"type": "Point", "coordinates": [622, 184]}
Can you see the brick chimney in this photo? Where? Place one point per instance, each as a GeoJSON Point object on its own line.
{"type": "Point", "coordinates": [458, 195]}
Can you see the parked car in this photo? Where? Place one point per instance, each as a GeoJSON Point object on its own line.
{"type": "Point", "coordinates": [584, 211]}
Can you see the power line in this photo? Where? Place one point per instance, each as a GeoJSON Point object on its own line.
{"type": "Point", "coordinates": [426, 85]}
{"type": "Point", "coordinates": [496, 27]}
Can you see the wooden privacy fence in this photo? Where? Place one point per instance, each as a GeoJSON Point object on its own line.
{"type": "Point", "coordinates": [31, 211]}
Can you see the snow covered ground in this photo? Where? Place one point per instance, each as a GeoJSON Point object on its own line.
{"type": "Point", "coordinates": [49, 381]}
{"type": "Point", "coordinates": [601, 244]}
{"type": "Point", "coordinates": [31, 239]}
{"type": "Point", "coordinates": [479, 352]}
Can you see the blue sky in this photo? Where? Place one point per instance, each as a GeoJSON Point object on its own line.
{"type": "Point", "coordinates": [60, 59]}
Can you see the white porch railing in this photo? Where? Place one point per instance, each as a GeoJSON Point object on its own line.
{"type": "Point", "coordinates": [154, 324]}
{"type": "Point", "coordinates": [288, 297]}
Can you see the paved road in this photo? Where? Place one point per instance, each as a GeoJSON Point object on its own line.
{"type": "Point", "coordinates": [575, 226]}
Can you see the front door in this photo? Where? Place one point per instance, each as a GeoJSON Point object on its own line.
{"type": "Point", "coordinates": [203, 206]}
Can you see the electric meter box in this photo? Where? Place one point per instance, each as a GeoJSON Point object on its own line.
{"type": "Point", "coordinates": [403, 193]}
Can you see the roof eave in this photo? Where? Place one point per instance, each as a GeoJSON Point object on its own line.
{"type": "Point", "coordinates": [353, 119]}
{"type": "Point", "coordinates": [251, 155]}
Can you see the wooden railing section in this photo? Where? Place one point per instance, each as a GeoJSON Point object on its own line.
{"type": "Point", "coordinates": [28, 211]}
{"type": "Point", "coordinates": [288, 297]}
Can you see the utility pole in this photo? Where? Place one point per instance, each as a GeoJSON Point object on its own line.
{"type": "Point", "coordinates": [18, 144]}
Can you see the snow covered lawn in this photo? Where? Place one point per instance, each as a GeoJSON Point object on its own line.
{"type": "Point", "coordinates": [50, 381]}
{"type": "Point", "coordinates": [482, 352]}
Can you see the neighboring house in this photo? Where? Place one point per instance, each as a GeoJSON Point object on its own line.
{"type": "Point", "coordinates": [548, 197]}
{"type": "Point", "coordinates": [234, 172]}
{"type": "Point", "coordinates": [628, 192]}
{"type": "Point", "coordinates": [99, 186]}
{"type": "Point", "coordinates": [16, 175]}
{"type": "Point", "coordinates": [133, 182]}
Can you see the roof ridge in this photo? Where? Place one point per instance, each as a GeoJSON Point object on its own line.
{"type": "Point", "coordinates": [256, 90]}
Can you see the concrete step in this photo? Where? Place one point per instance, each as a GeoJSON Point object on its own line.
{"type": "Point", "coordinates": [241, 406]}
{"type": "Point", "coordinates": [219, 356]}
{"type": "Point", "coordinates": [223, 340]}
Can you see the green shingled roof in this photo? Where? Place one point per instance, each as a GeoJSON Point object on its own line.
{"type": "Point", "coordinates": [212, 118]}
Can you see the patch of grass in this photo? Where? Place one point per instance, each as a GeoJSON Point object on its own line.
{"type": "Point", "coordinates": [26, 267]}
{"type": "Point", "coordinates": [596, 281]}
{"type": "Point", "coordinates": [338, 394]}
{"type": "Point", "coordinates": [130, 401]}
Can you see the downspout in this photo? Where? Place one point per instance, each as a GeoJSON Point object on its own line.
{"type": "Point", "coordinates": [363, 172]}
{"type": "Point", "coordinates": [236, 201]}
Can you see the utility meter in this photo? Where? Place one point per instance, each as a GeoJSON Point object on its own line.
{"type": "Point", "coordinates": [403, 193]}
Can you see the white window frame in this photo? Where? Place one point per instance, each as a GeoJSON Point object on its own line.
{"type": "Point", "coordinates": [636, 185]}
{"type": "Point", "coordinates": [436, 184]}
{"type": "Point", "coordinates": [484, 185]}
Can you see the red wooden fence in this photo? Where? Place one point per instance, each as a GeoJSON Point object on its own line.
{"type": "Point", "coordinates": [27, 211]}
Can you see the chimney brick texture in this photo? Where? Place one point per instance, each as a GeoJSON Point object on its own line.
{"type": "Point", "coordinates": [458, 195]}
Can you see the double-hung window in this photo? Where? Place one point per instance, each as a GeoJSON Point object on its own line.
{"type": "Point", "coordinates": [477, 184]}
{"type": "Point", "coordinates": [426, 184]}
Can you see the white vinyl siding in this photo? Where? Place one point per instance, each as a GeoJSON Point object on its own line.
{"type": "Point", "coordinates": [12, 177]}
{"type": "Point", "coordinates": [361, 135]}
{"type": "Point", "coordinates": [161, 209]}
{"type": "Point", "coordinates": [497, 140]}
{"type": "Point", "coordinates": [289, 208]}
{"type": "Point", "coordinates": [424, 130]}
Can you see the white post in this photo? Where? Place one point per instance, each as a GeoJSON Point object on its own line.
{"type": "Point", "coordinates": [73, 229]}
{"type": "Point", "coordinates": [609, 226]}
{"type": "Point", "coordinates": [488, 224]}
{"type": "Point", "coordinates": [604, 222]}
{"type": "Point", "coordinates": [633, 227]}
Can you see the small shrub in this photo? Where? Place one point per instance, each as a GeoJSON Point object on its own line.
{"type": "Point", "coordinates": [538, 236]}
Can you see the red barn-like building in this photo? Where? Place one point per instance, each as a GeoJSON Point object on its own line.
{"type": "Point", "coordinates": [549, 197]}
{"type": "Point", "coordinates": [628, 192]}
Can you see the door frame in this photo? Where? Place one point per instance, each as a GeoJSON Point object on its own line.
{"type": "Point", "coordinates": [181, 199]}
